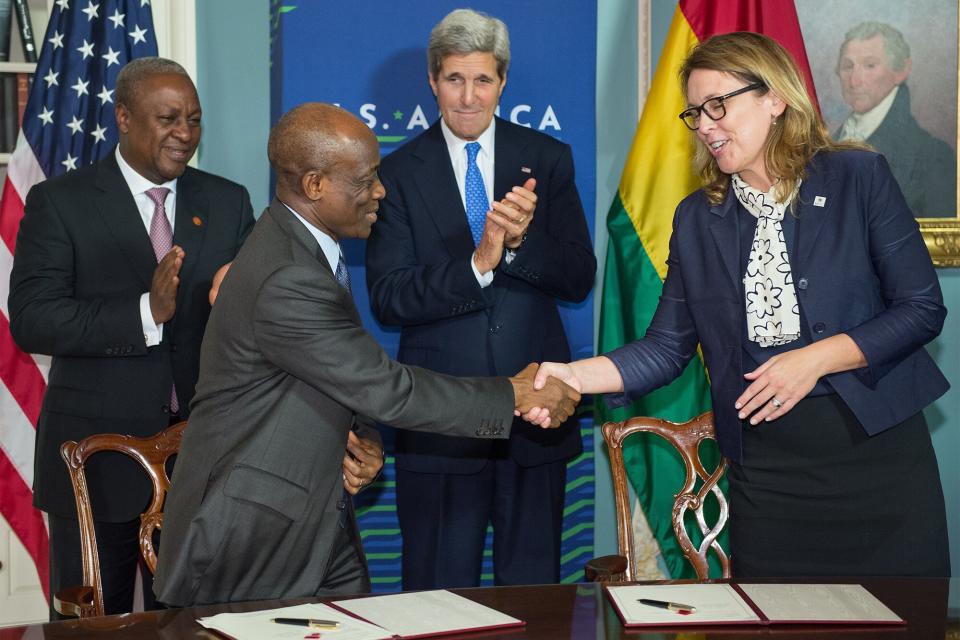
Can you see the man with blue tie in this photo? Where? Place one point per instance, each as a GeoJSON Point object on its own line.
{"type": "Point", "coordinates": [481, 232]}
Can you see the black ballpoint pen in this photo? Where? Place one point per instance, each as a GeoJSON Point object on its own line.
{"type": "Point", "coordinates": [670, 606]}
{"type": "Point", "coordinates": [308, 622]}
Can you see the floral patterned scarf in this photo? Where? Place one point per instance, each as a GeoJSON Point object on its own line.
{"type": "Point", "coordinates": [773, 316]}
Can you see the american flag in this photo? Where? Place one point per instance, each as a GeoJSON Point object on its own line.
{"type": "Point", "coordinates": [68, 122]}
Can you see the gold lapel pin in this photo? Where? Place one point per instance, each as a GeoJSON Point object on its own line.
{"type": "Point", "coordinates": [197, 221]}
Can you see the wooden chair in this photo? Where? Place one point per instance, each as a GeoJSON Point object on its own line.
{"type": "Point", "coordinates": [152, 454]}
{"type": "Point", "coordinates": [686, 437]}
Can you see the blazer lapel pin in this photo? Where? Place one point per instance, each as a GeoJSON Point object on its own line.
{"type": "Point", "coordinates": [526, 170]}
{"type": "Point", "coordinates": [197, 221]}
{"type": "Point", "coordinates": [819, 201]}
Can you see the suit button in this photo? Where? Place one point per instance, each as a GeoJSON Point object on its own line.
{"type": "Point", "coordinates": [165, 408]}
{"type": "Point", "coordinates": [341, 504]}
{"type": "Point", "coordinates": [802, 284]}
{"type": "Point", "coordinates": [819, 327]}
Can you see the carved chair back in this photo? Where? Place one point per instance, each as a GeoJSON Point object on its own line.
{"type": "Point", "coordinates": [152, 454]}
{"type": "Point", "coordinates": [686, 438]}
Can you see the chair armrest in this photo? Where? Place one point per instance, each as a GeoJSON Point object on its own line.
{"type": "Point", "coordinates": [74, 601]}
{"type": "Point", "coordinates": [606, 569]}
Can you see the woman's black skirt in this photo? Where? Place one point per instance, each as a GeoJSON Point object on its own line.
{"type": "Point", "coordinates": [816, 496]}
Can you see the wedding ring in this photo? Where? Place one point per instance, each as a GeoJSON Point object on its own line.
{"type": "Point", "coordinates": [776, 403]}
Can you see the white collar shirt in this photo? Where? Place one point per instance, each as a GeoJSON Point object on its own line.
{"type": "Point", "coordinates": [138, 185]}
{"type": "Point", "coordinates": [860, 126]}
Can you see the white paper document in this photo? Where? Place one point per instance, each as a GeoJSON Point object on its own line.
{"type": "Point", "coordinates": [426, 613]}
{"type": "Point", "coordinates": [257, 625]}
{"type": "Point", "coordinates": [818, 603]}
{"type": "Point", "coordinates": [713, 603]}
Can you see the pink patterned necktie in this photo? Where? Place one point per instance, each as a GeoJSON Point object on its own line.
{"type": "Point", "coordinates": [161, 237]}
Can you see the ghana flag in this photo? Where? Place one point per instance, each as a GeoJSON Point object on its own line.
{"type": "Point", "coordinates": [658, 174]}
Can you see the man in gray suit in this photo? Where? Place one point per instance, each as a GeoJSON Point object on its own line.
{"type": "Point", "coordinates": [256, 509]}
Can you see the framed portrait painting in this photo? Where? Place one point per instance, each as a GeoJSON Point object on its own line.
{"type": "Point", "coordinates": [886, 73]}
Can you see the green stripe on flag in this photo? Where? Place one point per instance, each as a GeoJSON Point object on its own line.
{"type": "Point", "coordinates": [631, 290]}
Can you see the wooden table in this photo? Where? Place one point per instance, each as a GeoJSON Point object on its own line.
{"type": "Point", "coordinates": [554, 612]}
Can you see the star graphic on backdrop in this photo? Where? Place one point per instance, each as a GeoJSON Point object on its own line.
{"type": "Point", "coordinates": [117, 18]}
{"type": "Point", "coordinates": [80, 87]}
{"type": "Point", "coordinates": [63, 4]}
{"type": "Point", "coordinates": [144, 3]}
{"type": "Point", "coordinates": [99, 133]}
{"type": "Point", "coordinates": [56, 40]}
{"type": "Point", "coordinates": [138, 34]}
{"type": "Point", "coordinates": [76, 125]}
{"type": "Point", "coordinates": [105, 95]}
{"type": "Point", "coordinates": [70, 162]}
{"type": "Point", "coordinates": [92, 10]}
{"type": "Point", "coordinates": [51, 78]}
{"type": "Point", "coordinates": [398, 115]}
{"type": "Point", "coordinates": [111, 57]}
{"type": "Point", "coordinates": [46, 116]}
{"type": "Point", "coordinates": [86, 49]}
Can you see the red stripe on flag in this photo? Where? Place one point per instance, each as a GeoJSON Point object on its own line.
{"type": "Point", "coordinates": [11, 212]}
{"type": "Point", "coordinates": [774, 18]}
{"type": "Point", "coordinates": [20, 374]}
{"type": "Point", "coordinates": [16, 506]}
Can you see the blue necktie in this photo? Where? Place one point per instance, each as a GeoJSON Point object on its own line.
{"type": "Point", "coordinates": [342, 275]}
{"type": "Point", "coordinates": [476, 193]}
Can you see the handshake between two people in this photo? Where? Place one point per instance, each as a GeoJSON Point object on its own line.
{"type": "Point", "coordinates": [546, 402]}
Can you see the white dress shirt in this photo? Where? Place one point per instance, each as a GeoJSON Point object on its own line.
{"type": "Point", "coordinates": [138, 185]}
{"type": "Point", "coordinates": [860, 126]}
{"type": "Point", "coordinates": [329, 246]}
{"type": "Point", "coordinates": [458, 158]}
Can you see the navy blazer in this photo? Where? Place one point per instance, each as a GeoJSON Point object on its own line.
{"type": "Point", "coordinates": [419, 277]}
{"type": "Point", "coordinates": [861, 268]}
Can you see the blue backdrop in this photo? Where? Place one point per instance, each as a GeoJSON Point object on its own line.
{"type": "Point", "coordinates": [370, 58]}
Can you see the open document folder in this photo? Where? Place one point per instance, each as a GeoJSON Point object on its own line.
{"type": "Point", "coordinates": [711, 604]}
{"type": "Point", "coordinates": [400, 615]}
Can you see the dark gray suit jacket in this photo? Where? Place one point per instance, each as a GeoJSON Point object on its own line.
{"type": "Point", "coordinates": [285, 368]}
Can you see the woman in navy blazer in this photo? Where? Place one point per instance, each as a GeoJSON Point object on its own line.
{"type": "Point", "coordinates": [801, 272]}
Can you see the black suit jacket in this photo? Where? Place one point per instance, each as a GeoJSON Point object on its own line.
{"type": "Point", "coordinates": [83, 258]}
{"type": "Point", "coordinates": [254, 509]}
{"type": "Point", "coordinates": [419, 277]}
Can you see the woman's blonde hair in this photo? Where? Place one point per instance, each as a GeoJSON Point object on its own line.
{"type": "Point", "coordinates": [796, 135]}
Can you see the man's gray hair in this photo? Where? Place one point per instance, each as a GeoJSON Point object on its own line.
{"type": "Point", "coordinates": [894, 44]}
{"type": "Point", "coordinates": [133, 74]}
{"type": "Point", "coordinates": [465, 31]}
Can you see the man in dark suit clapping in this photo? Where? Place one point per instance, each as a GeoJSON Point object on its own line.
{"type": "Point", "coordinates": [475, 293]}
{"type": "Point", "coordinates": [111, 272]}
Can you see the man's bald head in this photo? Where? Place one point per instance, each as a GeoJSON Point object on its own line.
{"type": "Point", "coordinates": [314, 137]}
{"type": "Point", "coordinates": [326, 162]}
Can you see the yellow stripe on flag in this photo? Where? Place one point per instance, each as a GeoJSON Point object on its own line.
{"type": "Point", "coordinates": [659, 173]}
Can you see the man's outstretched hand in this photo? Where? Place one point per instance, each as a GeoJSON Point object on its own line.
{"type": "Point", "coordinates": [557, 399]}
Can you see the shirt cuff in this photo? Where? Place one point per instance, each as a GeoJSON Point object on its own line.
{"type": "Point", "coordinates": [483, 279]}
{"type": "Point", "coordinates": [152, 332]}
